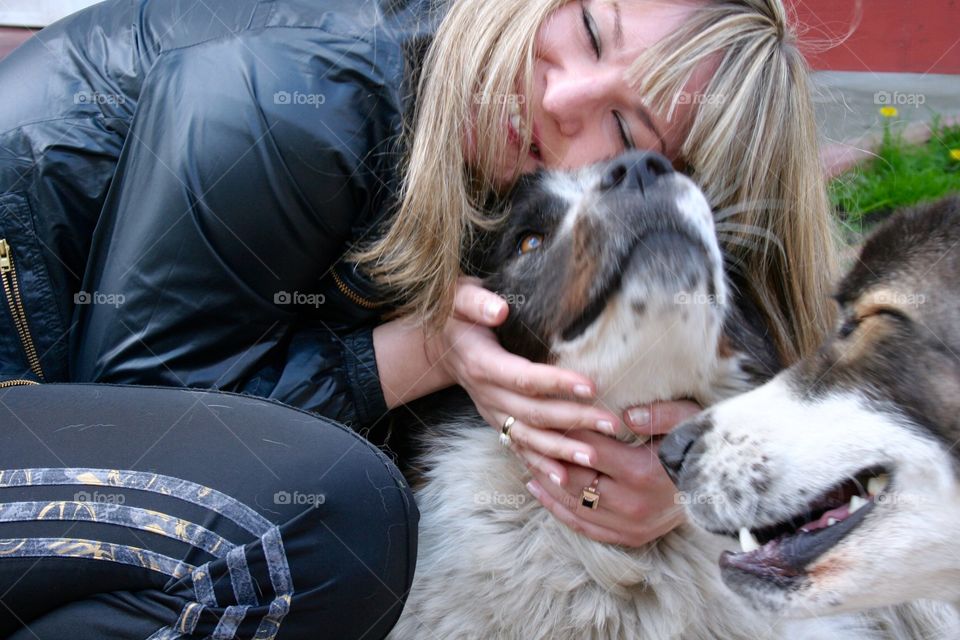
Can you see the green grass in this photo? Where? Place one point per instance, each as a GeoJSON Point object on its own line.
{"type": "Point", "coordinates": [902, 174]}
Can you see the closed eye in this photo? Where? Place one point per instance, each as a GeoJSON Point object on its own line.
{"type": "Point", "coordinates": [590, 26]}
{"type": "Point", "coordinates": [624, 129]}
{"type": "Point", "coordinates": [848, 327]}
{"type": "Point", "coordinates": [593, 36]}
{"type": "Point", "coordinates": [853, 322]}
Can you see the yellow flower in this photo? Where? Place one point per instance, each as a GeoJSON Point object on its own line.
{"type": "Point", "coordinates": [955, 154]}
{"type": "Point", "coordinates": [888, 112]}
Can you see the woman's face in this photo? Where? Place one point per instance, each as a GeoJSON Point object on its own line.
{"type": "Point", "coordinates": [582, 109]}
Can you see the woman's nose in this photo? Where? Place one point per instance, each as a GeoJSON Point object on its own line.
{"type": "Point", "coordinates": [571, 97]}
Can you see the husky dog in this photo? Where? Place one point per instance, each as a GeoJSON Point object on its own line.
{"type": "Point", "coordinates": [841, 476]}
{"type": "Point", "coordinates": [613, 271]}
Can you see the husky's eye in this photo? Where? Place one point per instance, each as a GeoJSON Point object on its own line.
{"type": "Point", "coordinates": [848, 327]}
{"type": "Point", "coordinates": [852, 323]}
{"type": "Point", "coordinates": [529, 242]}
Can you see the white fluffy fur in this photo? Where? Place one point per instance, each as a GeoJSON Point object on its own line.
{"type": "Point", "coordinates": [905, 548]}
{"type": "Point", "coordinates": [493, 563]}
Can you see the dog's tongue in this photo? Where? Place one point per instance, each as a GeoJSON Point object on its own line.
{"type": "Point", "coordinates": [838, 514]}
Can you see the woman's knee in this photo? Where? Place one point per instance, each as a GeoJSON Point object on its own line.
{"type": "Point", "coordinates": [351, 535]}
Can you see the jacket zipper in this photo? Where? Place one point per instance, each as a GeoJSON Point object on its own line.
{"type": "Point", "coordinates": [16, 383]}
{"type": "Point", "coordinates": [11, 290]}
{"type": "Point", "coordinates": [350, 293]}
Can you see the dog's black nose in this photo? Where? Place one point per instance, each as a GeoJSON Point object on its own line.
{"type": "Point", "coordinates": [635, 170]}
{"type": "Point", "coordinates": [676, 447]}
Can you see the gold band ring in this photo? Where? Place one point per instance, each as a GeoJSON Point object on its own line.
{"type": "Point", "coordinates": [505, 431]}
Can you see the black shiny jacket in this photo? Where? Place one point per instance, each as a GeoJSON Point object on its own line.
{"type": "Point", "coordinates": [180, 181]}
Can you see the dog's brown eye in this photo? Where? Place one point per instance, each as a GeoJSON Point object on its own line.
{"type": "Point", "coordinates": [529, 242]}
{"type": "Point", "coordinates": [848, 327]}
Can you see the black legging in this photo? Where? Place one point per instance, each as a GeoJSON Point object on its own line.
{"type": "Point", "coordinates": [141, 512]}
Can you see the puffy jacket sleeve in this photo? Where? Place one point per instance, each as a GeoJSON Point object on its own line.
{"type": "Point", "coordinates": [329, 373]}
{"type": "Point", "coordinates": [253, 163]}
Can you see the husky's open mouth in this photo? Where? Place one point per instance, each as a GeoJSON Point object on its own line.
{"type": "Point", "coordinates": [780, 553]}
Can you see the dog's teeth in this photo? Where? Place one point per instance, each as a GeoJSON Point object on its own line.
{"type": "Point", "coordinates": [831, 521]}
{"type": "Point", "coordinates": [748, 542]}
{"type": "Point", "coordinates": [855, 503]}
{"type": "Point", "coordinates": [877, 484]}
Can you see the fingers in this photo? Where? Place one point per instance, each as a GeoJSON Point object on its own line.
{"type": "Point", "coordinates": [636, 466]}
{"type": "Point", "coordinates": [659, 418]}
{"type": "Point", "coordinates": [615, 495]}
{"type": "Point", "coordinates": [543, 467]}
{"type": "Point", "coordinates": [604, 526]}
{"type": "Point", "coordinates": [481, 360]}
{"type": "Point", "coordinates": [504, 369]}
{"type": "Point", "coordinates": [551, 444]}
{"type": "Point", "coordinates": [597, 532]}
{"type": "Point", "coordinates": [637, 504]}
{"type": "Point", "coordinates": [474, 303]}
{"type": "Point", "coordinates": [561, 416]}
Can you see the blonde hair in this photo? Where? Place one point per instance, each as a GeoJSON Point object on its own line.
{"type": "Point", "coordinates": [752, 147]}
{"type": "Point", "coordinates": [468, 74]}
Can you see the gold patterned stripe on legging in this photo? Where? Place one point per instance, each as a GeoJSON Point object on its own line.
{"type": "Point", "coordinates": [122, 515]}
{"type": "Point", "coordinates": [194, 493]}
{"type": "Point", "coordinates": [229, 622]}
{"type": "Point", "coordinates": [190, 615]}
{"type": "Point", "coordinates": [189, 618]}
{"type": "Point", "coordinates": [185, 625]}
{"type": "Point", "coordinates": [279, 578]}
{"type": "Point", "coordinates": [240, 577]}
{"type": "Point", "coordinates": [154, 482]}
{"type": "Point", "coordinates": [226, 627]}
{"type": "Point", "coordinates": [270, 625]}
{"type": "Point", "coordinates": [93, 550]}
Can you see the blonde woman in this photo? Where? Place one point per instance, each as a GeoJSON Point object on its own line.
{"type": "Point", "coordinates": [720, 88]}
{"type": "Point", "coordinates": [274, 197]}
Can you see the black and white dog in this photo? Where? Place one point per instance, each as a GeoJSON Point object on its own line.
{"type": "Point", "coordinates": [841, 476]}
{"type": "Point", "coordinates": [613, 271]}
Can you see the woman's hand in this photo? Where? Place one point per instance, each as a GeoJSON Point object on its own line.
{"type": "Point", "coordinates": [637, 499]}
{"type": "Point", "coordinates": [502, 384]}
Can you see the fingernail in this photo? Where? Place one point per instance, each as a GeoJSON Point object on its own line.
{"type": "Point", "coordinates": [606, 426]}
{"type": "Point", "coordinates": [639, 416]}
{"type": "Point", "coordinates": [534, 488]}
{"type": "Point", "coordinates": [583, 391]}
{"type": "Point", "coordinates": [581, 459]}
{"type": "Point", "coordinates": [492, 309]}
{"type": "Point", "coordinates": [555, 479]}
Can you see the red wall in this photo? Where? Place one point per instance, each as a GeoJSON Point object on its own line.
{"type": "Point", "coordinates": [915, 36]}
{"type": "Point", "coordinates": [10, 39]}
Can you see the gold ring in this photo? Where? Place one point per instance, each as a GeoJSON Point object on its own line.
{"type": "Point", "coordinates": [589, 496]}
{"type": "Point", "coordinates": [505, 431]}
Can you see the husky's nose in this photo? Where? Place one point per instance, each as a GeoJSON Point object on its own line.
{"type": "Point", "coordinates": [675, 448]}
{"type": "Point", "coordinates": [635, 170]}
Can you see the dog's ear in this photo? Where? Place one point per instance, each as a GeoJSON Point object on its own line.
{"type": "Point", "coordinates": [518, 337]}
{"type": "Point", "coordinates": [479, 253]}
{"type": "Point", "coordinates": [478, 258]}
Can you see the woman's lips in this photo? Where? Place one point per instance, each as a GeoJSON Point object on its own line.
{"type": "Point", "coordinates": [514, 122]}
{"type": "Point", "coordinates": [515, 138]}
{"type": "Point", "coordinates": [536, 141]}
{"type": "Point", "coordinates": [512, 132]}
